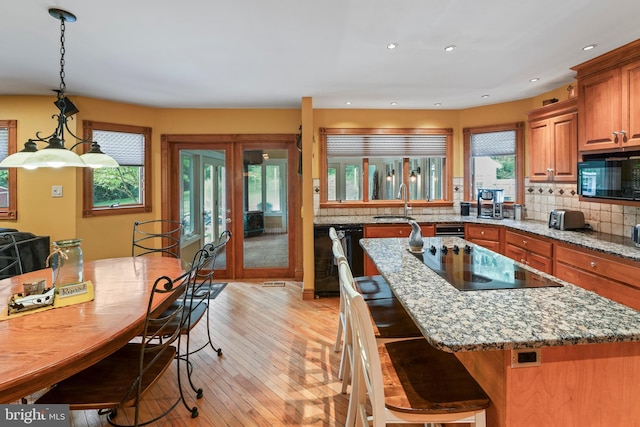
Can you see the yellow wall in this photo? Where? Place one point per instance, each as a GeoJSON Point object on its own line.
{"type": "Point", "coordinates": [61, 218]}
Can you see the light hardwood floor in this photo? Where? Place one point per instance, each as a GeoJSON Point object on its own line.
{"type": "Point", "coordinates": [278, 367]}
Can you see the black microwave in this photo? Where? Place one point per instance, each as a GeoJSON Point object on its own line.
{"type": "Point", "coordinates": [610, 179]}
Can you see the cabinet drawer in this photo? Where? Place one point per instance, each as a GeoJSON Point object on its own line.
{"type": "Point", "coordinates": [483, 232]}
{"type": "Point", "coordinates": [396, 230]}
{"type": "Point", "coordinates": [529, 243]}
{"type": "Point", "coordinates": [613, 290]}
{"type": "Point", "coordinates": [391, 230]}
{"type": "Point", "coordinates": [599, 266]}
{"type": "Point", "coordinates": [489, 244]}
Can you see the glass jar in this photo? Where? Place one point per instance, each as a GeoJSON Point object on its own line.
{"type": "Point", "coordinates": [67, 262]}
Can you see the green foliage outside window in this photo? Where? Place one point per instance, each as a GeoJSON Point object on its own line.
{"type": "Point", "coordinates": [117, 186]}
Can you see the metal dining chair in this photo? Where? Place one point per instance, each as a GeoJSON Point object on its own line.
{"type": "Point", "coordinates": [124, 377]}
{"type": "Point", "coordinates": [156, 236]}
{"type": "Point", "coordinates": [10, 262]}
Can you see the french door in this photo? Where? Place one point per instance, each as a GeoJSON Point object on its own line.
{"type": "Point", "coordinates": [247, 184]}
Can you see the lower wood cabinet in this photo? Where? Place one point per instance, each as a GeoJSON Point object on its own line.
{"type": "Point", "coordinates": [391, 230]}
{"type": "Point", "coordinates": [530, 250]}
{"type": "Point", "coordinates": [487, 236]}
{"type": "Point", "coordinates": [612, 278]}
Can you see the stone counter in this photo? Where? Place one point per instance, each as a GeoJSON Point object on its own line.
{"type": "Point", "coordinates": [605, 243]}
{"type": "Point", "coordinates": [458, 321]}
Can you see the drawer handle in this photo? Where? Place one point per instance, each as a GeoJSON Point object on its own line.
{"type": "Point", "coordinates": [592, 264]}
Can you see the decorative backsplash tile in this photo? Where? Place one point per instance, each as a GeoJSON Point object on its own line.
{"type": "Point", "coordinates": [540, 199]}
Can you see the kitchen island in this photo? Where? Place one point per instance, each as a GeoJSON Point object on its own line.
{"type": "Point", "coordinates": [548, 356]}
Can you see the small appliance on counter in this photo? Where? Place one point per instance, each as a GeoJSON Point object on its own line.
{"type": "Point", "coordinates": [490, 201]}
{"type": "Point", "coordinates": [566, 220]}
{"type": "Point", "coordinates": [635, 234]}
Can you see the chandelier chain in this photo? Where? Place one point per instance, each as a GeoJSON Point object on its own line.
{"type": "Point", "coordinates": [62, 52]}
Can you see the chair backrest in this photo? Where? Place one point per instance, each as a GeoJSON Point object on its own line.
{"type": "Point", "coordinates": [10, 262]}
{"type": "Point", "coordinates": [367, 370]}
{"type": "Point", "coordinates": [161, 236]}
{"type": "Point", "coordinates": [159, 331]}
{"type": "Point", "coordinates": [201, 279]}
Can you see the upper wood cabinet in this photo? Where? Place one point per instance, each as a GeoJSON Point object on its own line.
{"type": "Point", "coordinates": [553, 142]}
{"type": "Point", "coordinates": [609, 100]}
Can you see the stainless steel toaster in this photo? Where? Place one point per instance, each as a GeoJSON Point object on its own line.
{"type": "Point", "coordinates": [566, 220]}
{"type": "Point", "coordinates": [635, 234]}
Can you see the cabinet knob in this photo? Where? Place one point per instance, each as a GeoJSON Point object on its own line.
{"type": "Point", "coordinates": [482, 233]}
{"type": "Point", "coordinates": [592, 264]}
{"type": "Point", "coordinates": [524, 242]}
{"type": "Point", "coordinates": [614, 133]}
{"type": "Point", "coordinates": [623, 133]}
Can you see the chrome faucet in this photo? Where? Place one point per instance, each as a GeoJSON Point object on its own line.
{"type": "Point", "coordinates": [403, 193]}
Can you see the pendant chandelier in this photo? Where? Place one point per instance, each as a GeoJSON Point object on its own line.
{"type": "Point", "coordinates": [54, 154]}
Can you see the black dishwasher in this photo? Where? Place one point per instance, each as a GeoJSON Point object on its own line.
{"type": "Point", "coordinates": [326, 272]}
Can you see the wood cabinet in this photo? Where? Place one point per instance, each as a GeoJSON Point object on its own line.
{"type": "Point", "coordinates": [390, 230]}
{"type": "Point", "coordinates": [530, 250]}
{"type": "Point", "coordinates": [609, 100]}
{"type": "Point", "coordinates": [484, 235]}
{"type": "Point", "coordinates": [609, 277]}
{"type": "Point", "coordinates": [553, 142]}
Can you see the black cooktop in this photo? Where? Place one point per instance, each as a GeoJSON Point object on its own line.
{"type": "Point", "coordinates": [474, 268]}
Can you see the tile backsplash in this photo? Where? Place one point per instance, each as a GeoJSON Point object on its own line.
{"type": "Point", "coordinates": [540, 198]}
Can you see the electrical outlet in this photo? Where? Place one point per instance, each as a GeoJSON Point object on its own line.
{"type": "Point", "coordinates": [56, 191]}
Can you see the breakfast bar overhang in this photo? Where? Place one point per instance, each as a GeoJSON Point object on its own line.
{"type": "Point", "coordinates": [551, 355]}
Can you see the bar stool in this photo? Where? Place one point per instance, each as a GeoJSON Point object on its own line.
{"type": "Point", "coordinates": [405, 381]}
{"type": "Point", "coordinates": [389, 318]}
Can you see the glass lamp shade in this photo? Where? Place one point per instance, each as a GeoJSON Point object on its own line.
{"type": "Point", "coordinates": [17, 160]}
{"type": "Point", "coordinates": [54, 158]}
{"type": "Point", "coordinates": [98, 160]}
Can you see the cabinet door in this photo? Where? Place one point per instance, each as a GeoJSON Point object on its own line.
{"type": "Point", "coordinates": [515, 253]}
{"type": "Point", "coordinates": [600, 107]}
{"type": "Point", "coordinates": [540, 151]}
{"type": "Point", "coordinates": [564, 130]}
{"type": "Point", "coordinates": [631, 104]}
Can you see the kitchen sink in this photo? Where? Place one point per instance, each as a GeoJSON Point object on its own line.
{"type": "Point", "coordinates": [392, 217]}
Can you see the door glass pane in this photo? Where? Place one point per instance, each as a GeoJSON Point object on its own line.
{"type": "Point", "coordinates": [208, 182]}
{"type": "Point", "coordinates": [266, 234]}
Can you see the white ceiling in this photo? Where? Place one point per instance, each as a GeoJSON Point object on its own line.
{"type": "Point", "coordinates": [270, 54]}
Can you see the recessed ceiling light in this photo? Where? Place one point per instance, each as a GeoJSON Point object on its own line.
{"type": "Point", "coordinates": [392, 45]}
{"type": "Point", "coordinates": [589, 47]}
{"type": "Point", "coordinates": [394, 103]}
{"type": "Point", "coordinates": [484, 96]}
{"type": "Point", "coordinates": [438, 104]}
{"type": "Point", "coordinates": [449, 48]}
{"type": "Point", "coordinates": [348, 102]}
{"type": "Point", "coordinates": [535, 79]}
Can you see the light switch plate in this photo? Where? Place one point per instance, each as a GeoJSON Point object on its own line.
{"type": "Point", "coordinates": [56, 191]}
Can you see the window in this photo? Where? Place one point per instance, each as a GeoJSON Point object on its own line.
{"type": "Point", "coordinates": [494, 159]}
{"type": "Point", "coordinates": [126, 189]}
{"type": "Point", "coordinates": [368, 165]}
{"type": "Point", "coordinates": [8, 180]}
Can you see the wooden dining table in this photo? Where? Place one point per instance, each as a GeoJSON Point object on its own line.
{"type": "Point", "coordinates": [40, 349]}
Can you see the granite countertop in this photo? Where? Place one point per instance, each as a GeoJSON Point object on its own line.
{"type": "Point", "coordinates": [605, 243]}
{"type": "Point", "coordinates": [454, 320]}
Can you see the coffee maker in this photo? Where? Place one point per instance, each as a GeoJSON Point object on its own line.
{"type": "Point", "coordinates": [490, 201]}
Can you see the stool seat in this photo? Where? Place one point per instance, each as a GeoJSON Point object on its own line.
{"type": "Point", "coordinates": [443, 386]}
{"type": "Point", "coordinates": [391, 320]}
{"type": "Point", "coordinates": [373, 287]}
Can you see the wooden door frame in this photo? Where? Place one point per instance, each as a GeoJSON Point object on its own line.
{"type": "Point", "coordinates": [234, 144]}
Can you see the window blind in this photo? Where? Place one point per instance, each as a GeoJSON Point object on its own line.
{"type": "Point", "coordinates": [4, 142]}
{"type": "Point", "coordinates": [493, 144]}
{"type": "Point", "coordinates": [373, 146]}
{"type": "Point", "coordinates": [126, 148]}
